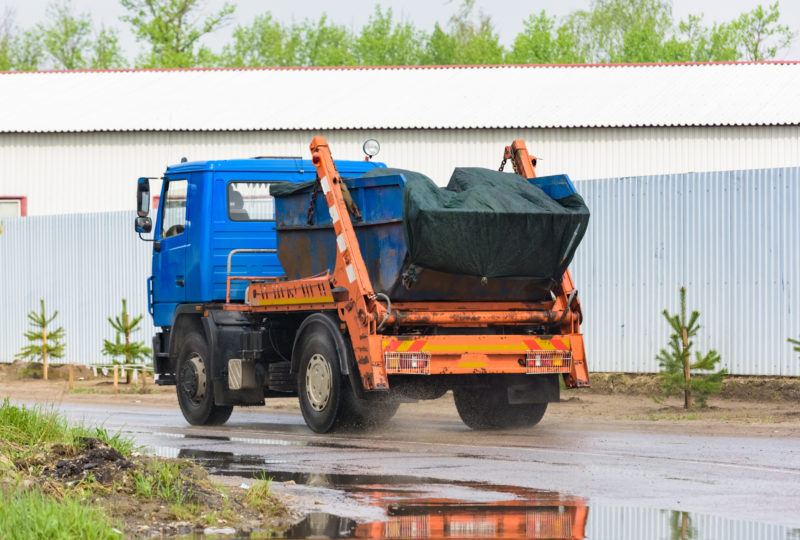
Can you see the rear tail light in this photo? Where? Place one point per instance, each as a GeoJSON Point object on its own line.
{"type": "Point", "coordinates": [407, 363]}
{"type": "Point", "coordinates": [548, 361]}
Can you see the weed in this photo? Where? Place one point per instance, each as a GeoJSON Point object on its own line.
{"type": "Point", "coordinates": [260, 497]}
{"type": "Point", "coordinates": [185, 511]}
{"type": "Point", "coordinates": [163, 480]}
{"type": "Point", "coordinates": [28, 428]}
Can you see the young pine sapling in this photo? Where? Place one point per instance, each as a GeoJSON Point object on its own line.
{"type": "Point", "coordinates": [679, 373]}
{"type": "Point", "coordinates": [123, 345]}
{"type": "Point", "coordinates": [45, 343]}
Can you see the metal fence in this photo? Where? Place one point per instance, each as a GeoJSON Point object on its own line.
{"type": "Point", "coordinates": [82, 265]}
{"type": "Point", "coordinates": [730, 237]}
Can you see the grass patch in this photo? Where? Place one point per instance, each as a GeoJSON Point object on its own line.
{"type": "Point", "coordinates": [28, 515]}
{"type": "Point", "coordinates": [26, 429]}
{"type": "Point", "coordinates": [260, 497]}
{"type": "Point", "coordinates": [164, 480]}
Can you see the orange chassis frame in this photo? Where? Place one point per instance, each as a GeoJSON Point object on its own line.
{"type": "Point", "coordinates": [348, 291]}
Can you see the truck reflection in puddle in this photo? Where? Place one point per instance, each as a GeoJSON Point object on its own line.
{"type": "Point", "coordinates": [420, 507]}
{"type": "Point", "coordinates": [453, 521]}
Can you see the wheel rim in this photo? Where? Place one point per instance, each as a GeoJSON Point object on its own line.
{"type": "Point", "coordinates": [318, 382]}
{"type": "Point", "coordinates": [193, 378]}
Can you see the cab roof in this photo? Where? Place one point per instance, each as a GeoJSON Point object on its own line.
{"type": "Point", "coordinates": [269, 164]}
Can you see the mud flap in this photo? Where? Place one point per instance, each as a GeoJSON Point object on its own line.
{"type": "Point", "coordinates": [534, 389]}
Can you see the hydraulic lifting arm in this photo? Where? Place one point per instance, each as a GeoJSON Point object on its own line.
{"type": "Point", "coordinates": [360, 309]}
{"type": "Point", "coordinates": [524, 164]}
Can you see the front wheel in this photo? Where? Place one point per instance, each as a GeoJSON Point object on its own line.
{"type": "Point", "coordinates": [483, 408]}
{"type": "Point", "coordinates": [195, 390]}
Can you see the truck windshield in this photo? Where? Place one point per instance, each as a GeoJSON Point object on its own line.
{"type": "Point", "coordinates": [250, 201]}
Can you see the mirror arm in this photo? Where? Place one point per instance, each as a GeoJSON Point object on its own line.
{"type": "Point", "coordinates": [143, 239]}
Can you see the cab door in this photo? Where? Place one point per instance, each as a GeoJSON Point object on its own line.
{"type": "Point", "coordinates": [170, 250]}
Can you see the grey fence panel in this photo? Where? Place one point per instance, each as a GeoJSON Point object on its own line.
{"type": "Point", "coordinates": [730, 237]}
{"type": "Point", "coordinates": [82, 265]}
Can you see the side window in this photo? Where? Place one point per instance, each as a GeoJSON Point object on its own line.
{"type": "Point", "coordinates": [250, 201]}
{"type": "Point", "coordinates": [174, 220]}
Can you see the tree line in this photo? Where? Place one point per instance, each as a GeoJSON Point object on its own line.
{"type": "Point", "coordinates": [171, 33]}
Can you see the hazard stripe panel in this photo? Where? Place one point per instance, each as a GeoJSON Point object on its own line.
{"type": "Point", "coordinates": [498, 345]}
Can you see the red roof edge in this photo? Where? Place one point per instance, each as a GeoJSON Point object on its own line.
{"type": "Point", "coordinates": [403, 67]}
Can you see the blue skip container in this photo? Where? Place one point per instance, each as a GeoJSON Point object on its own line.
{"type": "Point", "coordinates": [307, 247]}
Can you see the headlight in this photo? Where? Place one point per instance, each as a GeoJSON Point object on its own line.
{"type": "Point", "coordinates": [371, 147]}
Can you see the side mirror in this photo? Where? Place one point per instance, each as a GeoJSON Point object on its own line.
{"type": "Point", "coordinates": [142, 198]}
{"type": "Point", "coordinates": [143, 225]}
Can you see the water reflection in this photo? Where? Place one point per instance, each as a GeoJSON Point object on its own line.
{"type": "Point", "coordinates": [418, 508]}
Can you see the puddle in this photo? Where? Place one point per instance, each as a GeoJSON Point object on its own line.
{"type": "Point", "coordinates": [417, 508]}
{"type": "Point", "coordinates": [263, 441]}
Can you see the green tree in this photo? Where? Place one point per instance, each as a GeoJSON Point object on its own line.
{"type": "Point", "coordinates": [614, 31]}
{"type": "Point", "coordinates": [694, 42]}
{"type": "Point", "coordinates": [542, 41]}
{"type": "Point", "coordinates": [322, 43]}
{"type": "Point", "coordinates": [383, 42]}
{"type": "Point", "coordinates": [6, 39]}
{"type": "Point", "coordinates": [45, 343]}
{"type": "Point", "coordinates": [124, 346]}
{"type": "Point", "coordinates": [20, 52]}
{"type": "Point", "coordinates": [760, 34]}
{"type": "Point", "coordinates": [679, 374]}
{"type": "Point", "coordinates": [106, 52]}
{"type": "Point", "coordinates": [66, 36]}
{"type": "Point", "coordinates": [466, 40]}
{"type": "Point", "coordinates": [28, 52]}
{"type": "Point", "coordinates": [172, 31]}
{"type": "Point", "coordinates": [266, 42]}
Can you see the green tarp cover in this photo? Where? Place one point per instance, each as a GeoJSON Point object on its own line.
{"type": "Point", "coordinates": [489, 224]}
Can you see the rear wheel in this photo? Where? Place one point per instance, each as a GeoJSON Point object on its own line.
{"type": "Point", "coordinates": [488, 408]}
{"type": "Point", "coordinates": [326, 399]}
{"type": "Point", "coordinates": [195, 391]}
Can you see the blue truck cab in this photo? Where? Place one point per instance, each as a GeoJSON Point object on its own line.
{"type": "Point", "coordinates": [209, 208]}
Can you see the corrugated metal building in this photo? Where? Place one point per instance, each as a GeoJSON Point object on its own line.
{"type": "Point", "coordinates": [74, 141]}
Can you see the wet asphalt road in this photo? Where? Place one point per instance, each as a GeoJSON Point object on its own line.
{"type": "Point", "coordinates": [739, 477]}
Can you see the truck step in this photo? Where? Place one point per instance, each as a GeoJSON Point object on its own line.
{"type": "Point", "coordinates": [280, 377]}
{"type": "Point", "coordinates": [166, 379]}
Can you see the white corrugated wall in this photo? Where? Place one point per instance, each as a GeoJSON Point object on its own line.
{"type": "Point", "coordinates": [95, 172]}
{"type": "Point", "coordinates": [730, 237]}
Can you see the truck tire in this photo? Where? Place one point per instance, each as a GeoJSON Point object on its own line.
{"type": "Point", "coordinates": [195, 391]}
{"type": "Point", "coordinates": [326, 399]}
{"type": "Point", "coordinates": [483, 408]}
{"type": "Point", "coordinates": [320, 385]}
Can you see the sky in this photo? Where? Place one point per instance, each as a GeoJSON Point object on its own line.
{"type": "Point", "coordinates": [507, 15]}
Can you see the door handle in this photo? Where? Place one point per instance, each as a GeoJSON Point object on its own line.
{"type": "Point", "coordinates": [179, 282]}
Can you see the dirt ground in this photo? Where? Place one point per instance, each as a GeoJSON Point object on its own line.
{"type": "Point", "coordinates": [604, 404]}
